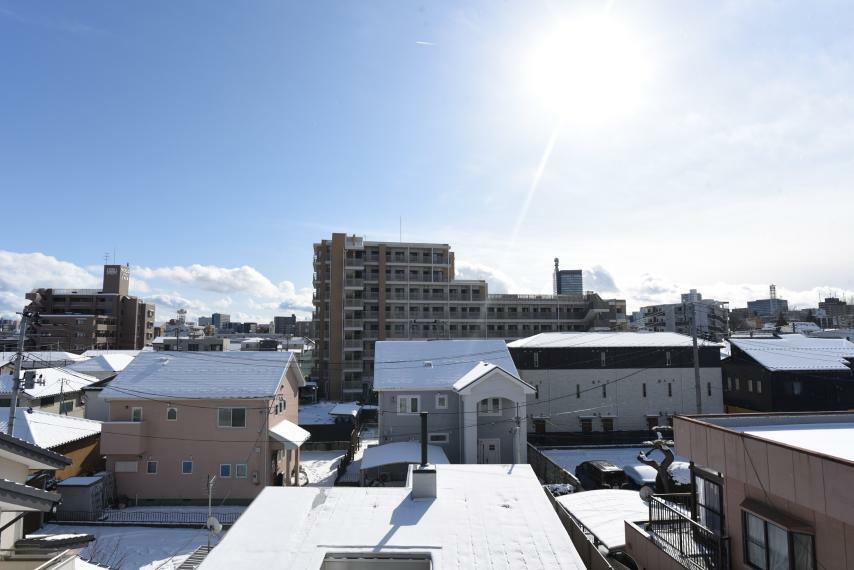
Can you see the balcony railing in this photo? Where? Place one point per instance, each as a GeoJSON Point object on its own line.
{"type": "Point", "coordinates": [354, 282]}
{"type": "Point", "coordinates": [674, 531]}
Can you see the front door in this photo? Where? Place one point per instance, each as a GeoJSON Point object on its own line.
{"type": "Point", "coordinates": [489, 451]}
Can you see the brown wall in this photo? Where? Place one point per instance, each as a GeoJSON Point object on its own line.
{"type": "Point", "coordinates": [85, 457]}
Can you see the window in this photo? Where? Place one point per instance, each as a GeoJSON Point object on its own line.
{"type": "Point", "coordinates": [536, 360]}
{"type": "Point", "coordinates": [643, 389]}
{"type": "Point", "coordinates": [602, 358]}
{"type": "Point", "coordinates": [770, 546]}
{"type": "Point", "coordinates": [490, 406]}
{"type": "Point", "coordinates": [225, 470]}
{"type": "Point", "coordinates": [172, 414]}
{"type": "Point", "coordinates": [670, 390]}
{"type": "Point", "coordinates": [65, 407]}
{"type": "Point", "coordinates": [797, 388]}
{"type": "Point", "coordinates": [604, 390]}
{"type": "Point", "coordinates": [240, 471]}
{"type": "Point", "coordinates": [408, 404]}
{"type": "Point", "coordinates": [187, 467]}
{"type": "Point", "coordinates": [709, 503]}
{"type": "Point", "coordinates": [750, 385]}
{"type": "Point", "coordinates": [441, 401]}
{"type": "Point", "coordinates": [667, 357]}
{"type": "Point", "coordinates": [708, 388]}
{"type": "Point", "coordinates": [759, 386]}
{"type": "Point", "coordinates": [729, 383]}
{"type": "Point", "coordinates": [586, 425]}
{"type": "Point", "coordinates": [607, 424]}
{"type": "Point", "coordinates": [651, 422]}
{"type": "Point", "coordinates": [438, 438]}
{"type": "Point", "coordinates": [136, 414]}
{"type": "Point", "coordinates": [737, 383]}
{"type": "Point", "coordinates": [151, 468]}
{"type": "Point", "coordinates": [578, 390]}
{"type": "Point", "coordinates": [231, 417]}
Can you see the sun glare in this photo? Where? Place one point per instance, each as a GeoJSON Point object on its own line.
{"type": "Point", "coordinates": [589, 70]}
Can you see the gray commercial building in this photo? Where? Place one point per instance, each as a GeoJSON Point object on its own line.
{"type": "Point", "coordinates": [285, 325]}
{"type": "Point", "coordinates": [220, 320]}
{"type": "Point", "coordinates": [567, 281]}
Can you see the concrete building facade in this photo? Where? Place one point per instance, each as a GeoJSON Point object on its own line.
{"type": "Point", "coordinates": [712, 316]}
{"type": "Point", "coordinates": [83, 319]}
{"type": "Point", "coordinates": [368, 291]}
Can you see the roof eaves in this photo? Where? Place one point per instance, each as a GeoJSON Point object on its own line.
{"type": "Point", "coordinates": [32, 451]}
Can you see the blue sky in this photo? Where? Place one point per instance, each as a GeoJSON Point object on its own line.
{"type": "Point", "coordinates": [210, 144]}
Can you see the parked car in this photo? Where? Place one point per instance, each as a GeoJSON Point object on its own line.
{"type": "Point", "coordinates": [600, 474]}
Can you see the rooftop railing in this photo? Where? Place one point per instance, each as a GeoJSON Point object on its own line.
{"type": "Point", "coordinates": [674, 531]}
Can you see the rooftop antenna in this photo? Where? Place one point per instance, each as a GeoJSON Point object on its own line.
{"type": "Point", "coordinates": [106, 257]}
{"type": "Point", "coordinates": [400, 239]}
{"type": "Point", "coordinates": [773, 291]}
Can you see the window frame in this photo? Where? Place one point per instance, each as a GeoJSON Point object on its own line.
{"type": "Point", "coordinates": [183, 463]}
{"type": "Point", "coordinates": [149, 464]}
{"type": "Point", "coordinates": [408, 398]}
{"type": "Point", "coordinates": [441, 406]}
{"type": "Point", "coordinates": [133, 411]}
{"type": "Point", "coordinates": [490, 411]}
{"type": "Point", "coordinates": [789, 531]}
{"type": "Point", "coordinates": [231, 425]}
{"type": "Point", "coordinates": [237, 467]}
{"type": "Point", "coordinates": [169, 409]}
{"type": "Point", "coordinates": [230, 471]}
{"type": "Point", "coordinates": [445, 435]}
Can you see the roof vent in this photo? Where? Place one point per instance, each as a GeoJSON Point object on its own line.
{"type": "Point", "coordinates": [428, 364]}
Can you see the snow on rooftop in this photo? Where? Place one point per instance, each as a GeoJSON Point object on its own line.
{"type": "Point", "coordinates": [402, 452]}
{"type": "Point", "coordinates": [107, 352]}
{"type": "Point", "coordinates": [569, 459]}
{"type": "Point", "coordinates": [214, 375]}
{"type": "Point", "coordinates": [316, 414]}
{"type": "Point", "coordinates": [605, 511]}
{"type": "Point", "coordinates": [607, 340]}
{"type": "Point", "coordinates": [798, 352]}
{"type": "Point", "coordinates": [102, 363]}
{"type": "Point", "coordinates": [484, 516]}
{"type": "Point", "coordinates": [350, 409]}
{"type": "Point", "coordinates": [48, 430]}
{"type": "Point", "coordinates": [435, 364]}
{"type": "Point", "coordinates": [289, 432]}
{"type": "Point", "coordinates": [832, 438]}
{"type": "Point", "coordinates": [49, 382]}
{"type": "Point", "coordinates": [43, 357]}
{"type": "Point", "coordinates": [79, 481]}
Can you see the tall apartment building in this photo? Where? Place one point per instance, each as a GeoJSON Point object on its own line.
{"type": "Point", "coordinates": [83, 319]}
{"type": "Point", "coordinates": [567, 281]}
{"type": "Point", "coordinates": [285, 325]}
{"type": "Point", "coordinates": [712, 316]}
{"type": "Point", "coordinates": [220, 320]}
{"type": "Point", "coordinates": [770, 308]}
{"type": "Point", "coordinates": [367, 291]}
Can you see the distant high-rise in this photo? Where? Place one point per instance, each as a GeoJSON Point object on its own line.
{"type": "Point", "coordinates": [567, 281]}
{"type": "Point", "coordinates": [219, 320]}
{"type": "Point", "coordinates": [83, 319]}
{"type": "Point", "coordinates": [770, 308]}
{"type": "Point", "coordinates": [285, 325]}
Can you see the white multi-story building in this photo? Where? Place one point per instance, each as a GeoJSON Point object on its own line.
{"type": "Point", "coordinates": [623, 381]}
{"type": "Point", "coordinates": [712, 316]}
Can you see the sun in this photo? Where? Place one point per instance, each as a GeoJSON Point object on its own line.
{"type": "Point", "coordinates": [591, 69]}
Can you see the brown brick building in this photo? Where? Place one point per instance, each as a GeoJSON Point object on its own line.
{"type": "Point", "coordinates": [83, 319]}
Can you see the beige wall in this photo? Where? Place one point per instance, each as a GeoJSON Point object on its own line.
{"type": "Point", "coordinates": [196, 436]}
{"type": "Point", "coordinates": [811, 487]}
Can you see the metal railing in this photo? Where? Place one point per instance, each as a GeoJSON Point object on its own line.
{"type": "Point", "coordinates": [135, 517]}
{"type": "Point", "coordinates": [674, 531]}
{"type": "Point", "coordinates": [548, 471]}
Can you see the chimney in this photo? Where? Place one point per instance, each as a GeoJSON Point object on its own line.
{"type": "Point", "coordinates": [424, 476]}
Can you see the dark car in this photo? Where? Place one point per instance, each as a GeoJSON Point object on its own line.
{"type": "Point", "coordinates": [600, 474]}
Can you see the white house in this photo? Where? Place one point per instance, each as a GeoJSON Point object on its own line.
{"type": "Point", "coordinates": [617, 381]}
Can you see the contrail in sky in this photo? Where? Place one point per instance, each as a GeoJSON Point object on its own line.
{"type": "Point", "coordinates": [426, 44]}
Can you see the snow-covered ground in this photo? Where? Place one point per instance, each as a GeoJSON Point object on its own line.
{"type": "Point", "coordinates": [321, 466]}
{"type": "Point", "coordinates": [619, 456]}
{"type": "Point", "coordinates": [316, 414]}
{"type": "Point", "coordinates": [132, 548]}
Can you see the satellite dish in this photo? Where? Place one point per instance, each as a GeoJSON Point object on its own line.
{"type": "Point", "coordinates": [214, 525]}
{"type": "Point", "coordinates": [645, 493]}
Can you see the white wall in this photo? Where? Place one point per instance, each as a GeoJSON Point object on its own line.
{"type": "Point", "coordinates": [624, 399]}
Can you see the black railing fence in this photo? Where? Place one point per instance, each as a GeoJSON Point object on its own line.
{"type": "Point", "coordinates": [673, 529]}
{"type": "Point", "coordinates": [119, 516]}
{"type": "Point", "coordinates": [548, 471]}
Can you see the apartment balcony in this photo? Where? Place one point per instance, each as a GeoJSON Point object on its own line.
{"type": "Point", "coordinates": [440, 316]}
{"type": "Point", "coordinates": [401, 316]}
{"type": "Point", "coordinates": [396, 297]}
{"type": "Point", "coordinates": [353, 302]}
{"type": "Point", "coordinates": [123, 438]}
{"type": "Point", "coordinates": [354, 283]}
{"type": "Point", "coordinates": [371, 295]}
{"type": "Point", "coordinates": [352, 386]}
{"type": "Point", "coordinates": [353, 344]}
{"type": "Point", "coordinates": [672, 530]}
{"type": "Point", "coordinates": [354, 263]}
{"type": "Point", "coordinates": [372, 278]}
{"type": "Point", "coordinates": [466, 317]}
{"type": "Point", "coordinates": [370, 335]}
{"type": "Point", "coordinates": [353, 324]}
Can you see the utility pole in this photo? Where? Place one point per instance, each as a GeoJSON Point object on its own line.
{"type": "Point", "coordinates": [696, 358]}
{"type": "Point", "coordinates": [210, 514]}
{"type": "Point", "coordinates": [16, 380]}
{"type": "Point", "coordinates": [516, 429]}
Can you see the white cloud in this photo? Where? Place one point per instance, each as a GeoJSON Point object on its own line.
{"type": "Point", "coordinates": [598, 279]}
{"type": "Point", "coordinates": [499, 282]}
{"type": "Point", "coordinates": [243, 279]}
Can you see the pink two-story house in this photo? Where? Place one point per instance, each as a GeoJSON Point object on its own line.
{"type": "Point", "coordinates": [178, 418]}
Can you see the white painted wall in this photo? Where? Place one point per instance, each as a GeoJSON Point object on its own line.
{"type": "Point", "coordinates": [624, 400]}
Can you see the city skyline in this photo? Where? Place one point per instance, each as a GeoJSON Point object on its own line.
{"type": "Point", "coordinates": [661, 148]}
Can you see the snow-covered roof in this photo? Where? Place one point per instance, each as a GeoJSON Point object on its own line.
{"type": "Point", "coordinates": [102, 363]}
{"type": "Point", "coordinates": [401, 452]}
{"type": "Point", "coordinates": [55, 380]}
{"type": "Point", "coordinates": [604, 513]}
{"type": "Point", "coordinates": [105, 352]}
{"type": "Point", "coordinates": [80, 481]}
{"type": "Point", "coordinates": [607, 340]}
{"type": "Point", "coordinates": [484, 516]}
{"type": "Point", "coordinates": [289, 433]}
{"type": "Point", "coordinates": [480, 370]}
{"type": "Point", "coordinates": [349, 409]}
{"type": "Point", "coordinates": [201, 375]}
{"type": "Point", "coordinates": [569, 459]}
{"type": "Point", "coordinates": [798, 352]}
{"type": "Point", "coordinates": [833, 439]}
{"type": "Point", "coordinates": [316, 414]}
{"type": "Point", "coordinates": [48, 430]}
{"type": "Point", "coordinates": [435, 364]}
{"type": "Point", "coordinates": [44, 357]}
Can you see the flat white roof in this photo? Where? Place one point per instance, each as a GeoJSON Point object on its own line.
{"type": "Point", "coordinates": [289, 433]}
{"type": "Point", "coordinates": [798, 352]}
{"type": "Point", "coordinates": [346, 409]}
{"type": "Point", "coordinates": [607, 340]}
{"type": "Point", "coordinates": [833, 439]}
{"type": "Point", "coordinates": [401, 452]}
{"type": "Point", "coordinates": [484, 516]}
{"type": "Point", "coordinates": [605, 511]}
